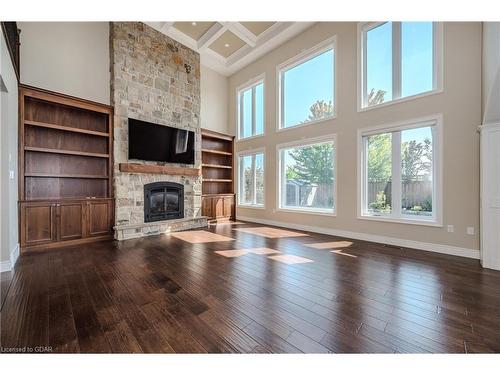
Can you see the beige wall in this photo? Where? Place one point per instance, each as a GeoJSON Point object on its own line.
{"type": "Point", "coordinates": [67, 57]}
{"type": "Point", "coordinates": [460, 104]}
{"type": "Point", "coordinates": [8, 155]}
{"type": "Point", "coordinates": [214, 100]}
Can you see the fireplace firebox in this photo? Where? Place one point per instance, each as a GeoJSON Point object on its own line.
{"type": "Point", "coordinates": [163, 201]}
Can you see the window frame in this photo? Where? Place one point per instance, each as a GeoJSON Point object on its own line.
{"type": "Point", "coordinates": [250, 84]}
{"type": "Point", "coordinates": [437, 68]}
{"type": "Point", "coordinates": [437, 171]}
{"type": "Point", "coordinates": [254, 151]}
{"type": "Point", "coordinates": [302, 57]}
{"type": "Point", "coordinates": [279, 174]}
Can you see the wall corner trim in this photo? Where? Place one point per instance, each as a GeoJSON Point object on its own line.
{"type": "Point", "coordinates": [8, 265]}
{"type": "Point", "coordinates": [14, 255]}
{"type": "Point", "coordinates": [425, 246]}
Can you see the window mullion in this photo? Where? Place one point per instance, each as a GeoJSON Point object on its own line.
{"type": "Point", "coordinates": [253, 179]}
{"type": "Point", "coordinates": [282, 101]}
{"type": "Point", "coordinates": [281, 179]}
{"type": "Point", "coordinates": [242, 115]}
{"type": "Point", "coordinates": [396, 174]}
{"type": "Point", "coordinates": [254, 126]}
{"type": "Point", "coordinates": [365, 69]}
{"type": "Point", "coordinates": [364, 171]}
{"type": "Point", "coordinates": [241, 181]}
{"type": "Point", "coordinates": [396, 60]}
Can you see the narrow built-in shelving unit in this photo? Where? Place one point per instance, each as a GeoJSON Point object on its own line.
{"type": "Point", "coordinates": [217, 172]}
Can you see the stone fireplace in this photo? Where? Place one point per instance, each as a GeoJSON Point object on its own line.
{"type": "Point", "coordinates": [157, 80]}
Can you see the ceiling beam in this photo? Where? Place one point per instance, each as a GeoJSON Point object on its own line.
{"type": "Point", "coordinates": [166, 26]}
{"type": "Point", "coordinates": [243, 33]}
{"type": "Point", "coordinates": [211, 35]}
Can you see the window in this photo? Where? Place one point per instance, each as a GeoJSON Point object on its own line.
{"type": "Point", "coordinates": [251, 179]}
{"type": "Point", "coordinates": [399, 59]}
{"type": "Point", "coordinates": [400, 172]}
{"type": "Point", "coordinates": [307, 86]}
{"type": "Point", "coordinates": [251, 110]}
{"type": "Point", "coordinates": [307, 176]}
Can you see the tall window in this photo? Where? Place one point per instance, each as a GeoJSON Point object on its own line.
{"type": "Point", "coordinates": [251, 179]}
{"type": "Point", "coordinates": [307, 176]}
{"type": "Point", "coordinates": [251, 110]}
{"type": "Point", "coordinates": [399, 172]}
{"type": "Point", "coordinates": [307, 87]}
{"type": "Point", "coordinates": [399, 59]}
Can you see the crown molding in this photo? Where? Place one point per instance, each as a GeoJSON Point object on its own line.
{"type": "Point", "coordinates": [254, 48]}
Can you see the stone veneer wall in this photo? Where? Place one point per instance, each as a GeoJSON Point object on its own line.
{"type": "Point", "coordinates": [155, 79]}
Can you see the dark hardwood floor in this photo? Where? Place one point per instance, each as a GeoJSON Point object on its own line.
{"type": "Point", "coordinates": [281, 292]}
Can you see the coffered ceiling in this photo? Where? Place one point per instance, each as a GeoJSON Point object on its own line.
{"type": "Point", "coordinates": [229, 46]}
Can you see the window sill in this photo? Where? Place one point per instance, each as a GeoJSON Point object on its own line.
{"type": "Point", "coordinates": [330, 118]}
{"type": "Point", "coordinates": [401, 220]}
{"type": "Point", "coordinates": [252, 206]}
{"type": "Point", "coordinates": [330, 213]}
{"type": "Point", "coordinates": [401, 100]}
{"type": "Point", "coordinates": [249, 138]}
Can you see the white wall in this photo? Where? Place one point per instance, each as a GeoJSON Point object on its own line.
{"type": "Point", "coordinates": [67, 57]}
{"type": "Point", "coordinates": [214, 100]}
{"type": "Point", "coordinates": [8, 159]}
{"type": "Point", "coordinates": [490, 150]}
{"type": "Point", "coordinates": [491, 72]}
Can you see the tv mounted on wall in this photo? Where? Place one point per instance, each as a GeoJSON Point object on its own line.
{"type": "Point", "coordinates": [152, 142]}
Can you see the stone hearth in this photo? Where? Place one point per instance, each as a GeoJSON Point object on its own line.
{"type": "Point", "coordinates": [154, 79]}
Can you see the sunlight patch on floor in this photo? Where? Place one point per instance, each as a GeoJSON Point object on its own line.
{"type": "Point", "coordinates": [231, 253]}
{"type": "Point", "coordinates": [329, 245]}
{"type": "Point", "coordinates": [200, 236]}
{"type": "Point", "coordinates": [263, 251]}
{"type": "Point", "coordinates": [341, 252]}
{"type": "Point", "coordinates": [241, 252]}
{"type": "Point", "coordinates": [271, 232]}
{"type": "Point", "coordinates": [290, 259]}
{"type": "Point", "coordinates": [226, 223]}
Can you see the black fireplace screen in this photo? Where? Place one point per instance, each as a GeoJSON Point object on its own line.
{"type": "Point", "coordinates": [163, 201]}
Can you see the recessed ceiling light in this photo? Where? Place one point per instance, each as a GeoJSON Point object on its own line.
{"type": "Point", "coordinates": [226, 45]}
{"type": "Point", "coordinates": [193, 23]}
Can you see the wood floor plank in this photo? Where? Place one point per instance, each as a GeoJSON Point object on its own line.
{"type": "Point", "coordinates": [163, 294]}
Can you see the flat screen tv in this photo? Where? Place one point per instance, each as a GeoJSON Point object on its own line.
{"type": "Point", "coordinates": [147, 141]}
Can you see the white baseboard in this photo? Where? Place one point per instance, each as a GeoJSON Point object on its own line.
{"type": "Point", "coordinates": [426, 246]}
{"type": "Point", "coordinates": [7, 265]}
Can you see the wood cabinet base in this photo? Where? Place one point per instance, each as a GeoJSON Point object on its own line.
{"type": "Point", "coordinates": [218, 207]}
{"type": "Point", "coordinates": [49, 224]}
{"type": "Point", "coordinates": [60, 244]}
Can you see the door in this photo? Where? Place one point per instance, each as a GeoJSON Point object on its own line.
{"type": "Point", "coordinates": [70, 220]}
{"type": "Point", "coordinates": [218, 207]}
{"type": "Point", "coordinates": [229, 206]}
{"type": "Point", "coordinates": [38, 223]}
{"type": "Point", "coordinates": [206, 207]}
{"type": "Point", "coordinates": [99, 217]}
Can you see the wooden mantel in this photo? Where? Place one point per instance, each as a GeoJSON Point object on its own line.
{"type": "Point", "coordinates": [158, 169]}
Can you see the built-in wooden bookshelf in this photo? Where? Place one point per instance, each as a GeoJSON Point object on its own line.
{"type": "Point", "coordinates": [218, 199]}
{"type": "Point", "coordinates": [65, 169]}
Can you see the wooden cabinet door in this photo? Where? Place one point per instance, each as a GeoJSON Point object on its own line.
{"type": "Point", "coordinates": [70, 220]}
{"type": "Point", "coordinates": [228, 206]}
{"type": "Point", "coordinates": [38, 223]}
{"type": "Point", "coordinates": [99, 215]}
{"type": "Point", "coordinates": [207, 207]}
{"type": "Point", "coordinates": [218, 207]}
